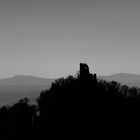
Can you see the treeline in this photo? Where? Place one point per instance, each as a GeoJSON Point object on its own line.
{"type": "Point", "coordinates": [75, 108]}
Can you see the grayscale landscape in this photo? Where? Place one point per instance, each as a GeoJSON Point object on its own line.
{"type": "Point", "coordinates": [69, 69]}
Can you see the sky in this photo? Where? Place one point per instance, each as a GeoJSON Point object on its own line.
{"type": "Point", "coordinates": [49, 38]}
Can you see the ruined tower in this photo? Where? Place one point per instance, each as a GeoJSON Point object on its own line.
{"type": "Point", "coordinates": [84, 71]}
{"type": "Point", "coordinates": [85, 74]}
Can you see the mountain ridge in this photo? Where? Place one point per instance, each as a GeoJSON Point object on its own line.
{"type": "Point", "coordinates": [132, 80]}
{"type": "Point", "coordinates": [29, 80]}
{"type": "Point", "coordinates": [25, 80]}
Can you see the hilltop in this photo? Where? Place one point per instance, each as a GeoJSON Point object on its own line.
{"type": "Point", "coordinates": [80, 106]}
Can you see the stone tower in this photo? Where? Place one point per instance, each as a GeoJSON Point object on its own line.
{"type": "Point", "coordinates": [84, 71]}
{"type": "Point", "coordinates": [85, 74]}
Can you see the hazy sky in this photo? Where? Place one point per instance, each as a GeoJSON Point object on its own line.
{"type": "Point", "coordinates": [49, 38]}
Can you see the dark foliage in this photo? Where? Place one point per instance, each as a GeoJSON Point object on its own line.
{"type": "Point", "coordinates": [76, 107]}
{"type": "Point", "coordinates": [15, 121]}
{"type": "Point", "coordinates": [90, 108]}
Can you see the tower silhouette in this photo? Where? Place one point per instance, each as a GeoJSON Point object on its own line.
{"type": "Point", "coordinates": [84, 71]}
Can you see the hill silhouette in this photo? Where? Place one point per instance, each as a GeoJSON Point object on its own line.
{"type": "Point", "coordinates": [80, 106]}
{"type": "Point", "coordinates": [25, 80]}
{"type": "Point", "coordinates": [132, 80]}
{"type": "Point", "coordinates": [20, 86]}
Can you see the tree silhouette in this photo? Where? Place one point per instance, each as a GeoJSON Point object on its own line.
{"type": "Point", "coordinates": [76, 107]}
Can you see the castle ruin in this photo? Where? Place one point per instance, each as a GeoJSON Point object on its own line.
{"type": "Point", "coordinates": [85, 73]}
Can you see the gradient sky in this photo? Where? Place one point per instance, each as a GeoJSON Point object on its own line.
{"type": "Point", "coordinates": [49, 38]}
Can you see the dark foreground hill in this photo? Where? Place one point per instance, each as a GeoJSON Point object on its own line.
{"type": "Point", "coordinates": [74, 108]}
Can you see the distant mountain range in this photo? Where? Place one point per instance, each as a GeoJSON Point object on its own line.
{"type": "Point", "coordinates": [132, 80]}
{"type": "Point", "coordinates": [25, 80]}
{"type": "Point", "coordinates": [21, 86]}
{"type": "Point", "coordinates": [18, 87]}
{"type": "Point", "coordinates": [20, 80]}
